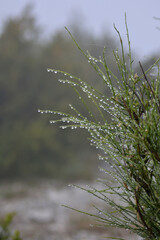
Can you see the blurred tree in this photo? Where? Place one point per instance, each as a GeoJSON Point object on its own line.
{"type": "Point", "coordinates": [29, 145]}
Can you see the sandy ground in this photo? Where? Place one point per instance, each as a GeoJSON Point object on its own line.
{"type": "Point", "coordinates": [41, 216]}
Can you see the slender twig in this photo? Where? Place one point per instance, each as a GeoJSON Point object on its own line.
{"type": "Point", "coordinates": [137, 192]}
{"type": "Point", "coordinates": [136, 94]}
{"type": "Point", "coordinates": [147, 80]}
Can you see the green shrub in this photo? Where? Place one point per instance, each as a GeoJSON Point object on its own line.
{"type": "Point", "coordinates": [130, 140]}
{"type": "Point", "coordinates": [5, 232]}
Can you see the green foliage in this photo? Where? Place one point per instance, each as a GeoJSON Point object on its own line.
{"type": "Point", "coordinates": [5, 232]}
{"type": "Point", "coordinates": [130, 141]}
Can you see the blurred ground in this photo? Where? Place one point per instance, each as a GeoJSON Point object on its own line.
{"type": "Point", "coordinates": [40, 215]}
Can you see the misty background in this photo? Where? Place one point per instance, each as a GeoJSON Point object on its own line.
{"type": "Point", "coordinates": [38, 159]}
{"type": "Point", "coordinates": [30, 147]}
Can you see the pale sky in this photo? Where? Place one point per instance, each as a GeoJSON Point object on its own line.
{"type": "Point", "coordinates": [97, 16]}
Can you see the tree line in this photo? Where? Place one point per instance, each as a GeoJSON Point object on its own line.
{"type": "Point", "coordinates": [30, 147]}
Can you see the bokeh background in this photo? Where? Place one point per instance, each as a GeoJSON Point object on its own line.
{"type": "Point", "coordinates": [32, 39]}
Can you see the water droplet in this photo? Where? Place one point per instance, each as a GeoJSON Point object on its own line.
{"type": "Point", "coordinates": [154, 67]}
{"type": "Point", "coordinates": [55, 72]}
{"type": "Point", "coordinates": [52, 122]}
{"type": "Point", "coordinates": [153, 74]}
